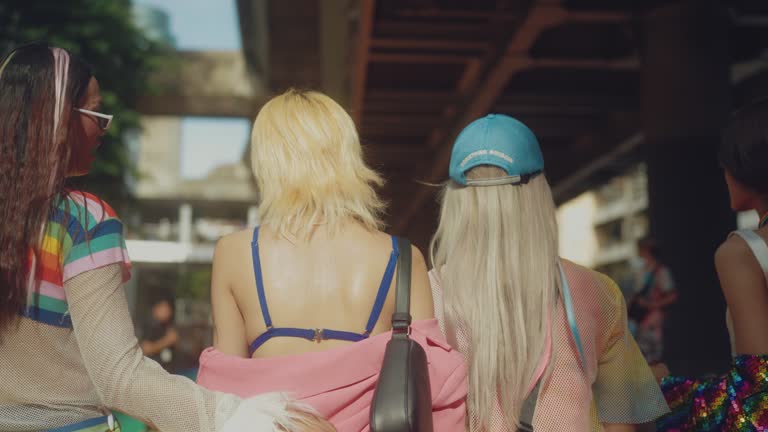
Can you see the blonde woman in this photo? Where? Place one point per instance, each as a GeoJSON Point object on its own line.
{"type": "Point", "coordinates": [303, 303]}
{"type": "Point", "coordinates": [536, 329]}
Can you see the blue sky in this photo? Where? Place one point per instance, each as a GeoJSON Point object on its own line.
{"type": "Point", "coordinates": [209, 25]}
{"type": "Point", "coordinates": [201, 24]}
{"type": "Point", "coordinates": [209, 142]}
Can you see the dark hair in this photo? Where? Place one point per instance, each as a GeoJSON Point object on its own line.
{"type": "Point", "coordinates": [650, 244]}
{"type": "Point", "coordinates": [33, 160]}
{"type": "Point", "coordinates": [744, 146]}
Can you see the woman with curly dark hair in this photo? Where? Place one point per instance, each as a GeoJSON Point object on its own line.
{"type": "Point", "coordinates": [68, 354]}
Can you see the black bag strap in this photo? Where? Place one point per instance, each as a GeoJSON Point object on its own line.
{"type": "Point", "coordinates": [401, 319]}
{"type": "Point", "coordinates": [529, 408]}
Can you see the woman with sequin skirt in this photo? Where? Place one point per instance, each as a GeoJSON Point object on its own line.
{"type": "Point", "coordinates": [737, 401]}
{"type": "Point", "coordinates": [68, 353]}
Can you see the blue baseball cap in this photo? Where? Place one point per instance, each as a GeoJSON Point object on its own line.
{"type": "Point", "coordinates": [500, 141]}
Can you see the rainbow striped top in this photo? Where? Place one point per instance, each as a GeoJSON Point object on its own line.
{"type": "Point", "coordinates": [83, 233]}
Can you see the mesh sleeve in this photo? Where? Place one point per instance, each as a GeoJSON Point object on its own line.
{"type": "Point", "coordinates": [625, 389]}
{"type": "Point", "coordinates": [125, 380]}
{"type": "Point", "coordinates": [437, 298]}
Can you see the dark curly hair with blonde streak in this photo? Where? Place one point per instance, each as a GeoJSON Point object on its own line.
{"type": "Point", "coordinates": [33, 160]}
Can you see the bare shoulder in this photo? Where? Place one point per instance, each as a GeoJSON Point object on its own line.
{"type": "Point", "coordinates": [421, 290]}
{"type": "Point", "coordinates": [418, 258]}
{"type": "Point", "coordinates": [230, 247]}
{"type": "Point", "coordinates": [738, 269]}
{"type": "Point", "coordinates": [234, 240]}
{"type": "Point", "coordinates": [733, 251]}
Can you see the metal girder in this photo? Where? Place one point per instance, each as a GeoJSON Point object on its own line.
{"type": "Point", "coordinates": [543, 15]}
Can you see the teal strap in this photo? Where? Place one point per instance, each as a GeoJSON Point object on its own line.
{"type": "Point", "coordinates": [571, 316]}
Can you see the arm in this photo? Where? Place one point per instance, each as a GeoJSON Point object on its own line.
{"type": "Point", "coordinates": [422, 306]}
{"type": "Point", "coordinates": [668, 292]}
{"type": "Point", "coordinates": [228, 324]}
{"type": "Point", "coordinates": [714, 397]}
{"type": "Point", "coordinates": [666, 300]}
{"type": "Point", "coordinates": [743, 284]}
{"type": "Point", "coordinates": [124, 379]}
{"type": "Point", "coordinates": [168, 340]}
{"type": "Point", "coordinates": [128, 382]}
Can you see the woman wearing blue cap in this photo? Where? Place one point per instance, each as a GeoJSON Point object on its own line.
{"type": "Point", "coordinates": [546, 339]}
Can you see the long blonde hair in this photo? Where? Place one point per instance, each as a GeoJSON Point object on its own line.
{"type": "Point", "coordinates": [308, 165]}
{"type": "Point", "coordinates": [496, 252]}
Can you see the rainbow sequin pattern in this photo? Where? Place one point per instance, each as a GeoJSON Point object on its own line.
{"type": "Point", "coordinates": [737, 401]}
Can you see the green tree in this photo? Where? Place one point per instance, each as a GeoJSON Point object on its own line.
{"type": "Point", "coordinates": [103, 32]}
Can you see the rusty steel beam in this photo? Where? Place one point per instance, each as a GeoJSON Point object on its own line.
{"type": "Point", "coordinates": [470, 75]}
{"type": "Point", "coordinates": [427, 44]}
{"type": "Point", "coordinates": [388, 27]}
{"type": "Point", "coordinates": [359, 75]}
{"type": "Point", "coordinates": [599, 160]}
{"type": "Point", "coordinates": [544, 14]}
{"type": "Point", "coordinates": [399, 96]}
{"type": "Point", "coordinates": [458, 14]}
{"type": "Point", "coordinates": [419, 58]}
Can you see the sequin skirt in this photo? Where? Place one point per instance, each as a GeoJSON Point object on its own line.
{"type": "Point", "coordinates": [735, 402]}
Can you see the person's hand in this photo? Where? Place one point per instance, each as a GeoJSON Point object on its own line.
{"type": "Point", "coordinates": [660, 370]}
{"type": "Point", "coordinates": [275, 412]}
{"type": "Point", "coordinates": [170, 337]}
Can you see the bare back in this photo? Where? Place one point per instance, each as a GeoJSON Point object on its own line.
{"type": "Point", "coordinates": [328, 282]}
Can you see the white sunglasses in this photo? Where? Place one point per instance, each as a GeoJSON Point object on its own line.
{"type": "Point", "coordinates": [103, 120]}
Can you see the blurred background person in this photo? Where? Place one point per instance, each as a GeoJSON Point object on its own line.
{"type": "Point", "coordinates": [159, 338]}
{"type": "Point", "coordinates": [654, 293]}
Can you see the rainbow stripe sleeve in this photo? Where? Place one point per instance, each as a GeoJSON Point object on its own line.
{"type": "Point", "coordinates": [82, 234]}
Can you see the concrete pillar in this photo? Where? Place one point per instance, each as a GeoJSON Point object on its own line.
{"type": "Point", "coordinates": [185, 223]}
{"type": "Point", "coordinates": [686, 100]}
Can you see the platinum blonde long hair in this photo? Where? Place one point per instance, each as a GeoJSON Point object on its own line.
{"type": "Point", "coordinates": [496, 252]}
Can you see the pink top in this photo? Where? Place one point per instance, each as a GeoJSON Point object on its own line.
{"type": "Point", "coordinates": [340, 382]}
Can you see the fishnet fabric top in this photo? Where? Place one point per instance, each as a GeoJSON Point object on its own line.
{"type": "Point", "coordinates": [52, 377]}
{"type": "Point", "coordinates": [617, 385]}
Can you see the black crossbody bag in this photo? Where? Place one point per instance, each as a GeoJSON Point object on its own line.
{"type": "Point", "coordinates": [402, 401]}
